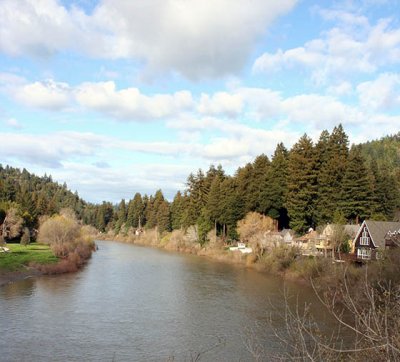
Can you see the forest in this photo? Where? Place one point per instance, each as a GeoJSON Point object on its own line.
{"type": "Point", "coordinates": [309, 185]}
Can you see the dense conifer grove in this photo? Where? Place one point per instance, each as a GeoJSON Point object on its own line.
{"type": "Point", "coordinates": [309, 185]}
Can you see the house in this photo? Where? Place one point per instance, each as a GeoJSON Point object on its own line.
{"type": "Point", "coordinates": [288, 236]}
{"type": "Point", "coordinates": [370, 239]}
{"type": "Point", "coordinates": [392, 239]}
{"type": "Point", "coordinates": [307, 243]}
{"type": "Point", "coordinates": [327, 237]}
{"type": "Point", "coordinates": [273, 239]}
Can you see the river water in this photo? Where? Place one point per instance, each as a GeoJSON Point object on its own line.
{"type": "Point", "coordinates": [132, 303]}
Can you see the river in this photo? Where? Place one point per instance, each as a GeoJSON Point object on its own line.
{"type": "Point", "coordinates": [133, 303]}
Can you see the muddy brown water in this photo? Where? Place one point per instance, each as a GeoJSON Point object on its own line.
{"type": "Point", "coordinates": [133, 303]}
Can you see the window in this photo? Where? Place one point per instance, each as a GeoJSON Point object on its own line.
{"type": "Point", "coordinates": [364, 240]}
{"type": "Point", "coordinates": [364, 253]}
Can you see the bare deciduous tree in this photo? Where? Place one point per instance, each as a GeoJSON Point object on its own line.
{"type": "Point", "coordinates": [370, 315]}
{"type": "Point", "coordinates": [12, 224]}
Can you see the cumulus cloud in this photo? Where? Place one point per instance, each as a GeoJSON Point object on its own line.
{"type": "Point", "coordinates": [208, 38]}
{"type": "Point", "coordinates": [341, 88]}
{"type": "Point", "coordinates": [221, 103]}
{"type": "Point", "coordinates": [48, 150]}
{"type": "Point", "coordinates": [383, 93]}
{"type": "Point", "coordinates": [130, 103]}
{"type": "Point", "coordinates": [352, 46]}
{"type": "Point", "coordinates": [48, 95]}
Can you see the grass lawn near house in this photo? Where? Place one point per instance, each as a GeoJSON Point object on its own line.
{"type": "Point", "coordinates": [19, 257]}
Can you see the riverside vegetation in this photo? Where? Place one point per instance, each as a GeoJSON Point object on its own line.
{"type": "Point", "coordinates": [63, 246]}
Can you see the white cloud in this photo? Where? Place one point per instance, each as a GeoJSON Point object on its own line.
{"type": "Point", "coordinates": [112, 184]}
{"type": "Point", "coordinates": [208, 38]}
{"type": "Point", "coordinates": [48, 95]}
{"type": "Point", "coordinates": [352, 46]}
{"type": "Point", "coordinates": [381, 94]}
{"type": "Point", "coordinates": [13, 123]}
{"type": "Point", "coordinates": [342, 88]}
{"type": "Point", "coordinates": [130, 103]}
{"type": "Point", "coordinates": [221, 103]}
{"type": "Point", "coordinates": [48, 150]}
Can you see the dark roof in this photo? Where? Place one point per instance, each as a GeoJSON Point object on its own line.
{"type": "Point", "coordinates": [379, 229]}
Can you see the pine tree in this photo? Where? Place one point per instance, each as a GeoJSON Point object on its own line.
{"type": "Point", "coordinates": [135, 211]}
{"type": "Point", "coordinates": [197, 191]}
{"type": "Point", "coordinates": [177, 211]}
{"type": "Point", "coordinates": [244, 181]}
{"type": "Point", "coordinates": [333, 154]}
{"type": "Point", "coordinates": [357, 189]}
{"type": "Point", "coordinates": [258, 183]}
{"type": "Point", "coordinates": [163, 216]}
{"type": "Point", "coordinates": [274, 195]}
{"type": "Point", "coordinates": [301, 185]}
{"type": "Point", "coordinates": [232, 207]}
{"type": "Point", "coordinates": [213, 207]}
{"type": "Point", "coordinates": [121, 215]}
{"type": "Point", "coordinates": [385, 193]}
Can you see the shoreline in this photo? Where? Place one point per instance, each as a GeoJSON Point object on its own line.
{"type": "Point", "coordinates": [71, 264]}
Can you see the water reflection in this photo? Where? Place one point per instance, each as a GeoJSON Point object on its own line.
{"type": "Point", "coordinates": [134, 304]}
{"type": "Point", "coordinates": [23, 288]}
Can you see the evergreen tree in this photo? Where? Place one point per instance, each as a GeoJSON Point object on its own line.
{"type": "Point", "coordinates": [274, 195]}
{"type": "Point", "coordinates": [258, 183]}
{"type": "Point", "coordinates": [197, 191]}
{"type": "Point", "coordinates": [135, 211]}
{"type": "Point", "coordinates": [163, 216]}
{"type": "Point", "coordinates": [213, 207]}
{"type": "Point", "coordinates": [333, 159]}
{"type": "Point", "coordinates": [204, 225]}
{"type": "Point", "coordinates": [385, 194]}
{"type": "Point", "coordinates": [357, 190]}
{"type": "Point", "coordinates": [244, 177]}
{"type": "Point", "coordinates": [232, 207]}
{"type": "Point", "coordinates": [177, 211]}
{"type": "Point", "coordinates": [301, 185]}
{"type": "Point", "coordinates": [121, 215]}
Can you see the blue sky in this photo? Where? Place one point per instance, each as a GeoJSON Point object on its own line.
{"type": "Point", "coordinates": [115, 96]}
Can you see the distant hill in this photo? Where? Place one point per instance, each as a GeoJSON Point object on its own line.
{"type": "Point", "coordinates": [386, 153]}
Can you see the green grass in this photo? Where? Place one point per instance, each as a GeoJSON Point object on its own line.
{"type": "Point", "coordinates": [21, 256]}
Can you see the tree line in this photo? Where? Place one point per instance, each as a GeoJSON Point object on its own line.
{"type": "Point", "coordinates": [308, 185]}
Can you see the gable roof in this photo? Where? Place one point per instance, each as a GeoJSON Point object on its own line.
{"type": "Point", "coordinates": [378, 230]}
{"type": "Point", "coordinates": [312, 235]}
{"type": "Point", "coordinates": [351, 230]}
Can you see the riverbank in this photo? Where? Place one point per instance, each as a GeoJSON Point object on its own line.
{"type": "Point", "coordinates": [17, 263]}
{"type": "Point", "coordinates": [281, 261]}
{"type": "Point", "coordinates": [33, 260]}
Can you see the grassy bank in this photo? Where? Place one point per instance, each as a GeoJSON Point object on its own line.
{"type": "Point", "coordinates": [21, 257]}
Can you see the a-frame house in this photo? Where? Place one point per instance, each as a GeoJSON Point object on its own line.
{"type": "Point", "coordinates": [370, 239]}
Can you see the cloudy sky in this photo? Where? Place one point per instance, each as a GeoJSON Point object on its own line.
{"type": "Point", "coordinates": [117, 96]}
